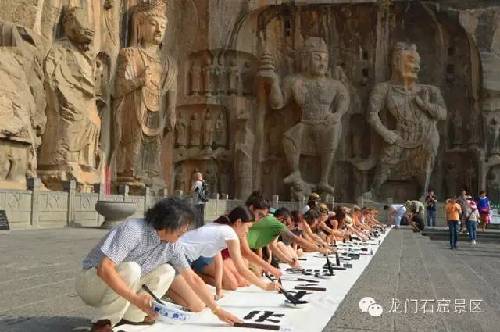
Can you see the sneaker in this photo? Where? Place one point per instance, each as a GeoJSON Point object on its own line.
{"type": "Point", "coordinates": [473, 242]}
{"type": "Point", "coordinates": [102, 326]}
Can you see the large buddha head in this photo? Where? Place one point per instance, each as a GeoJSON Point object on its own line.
{"type": "Point", "coordinates": [405, 61]}
{"type": "Point", "coordinates": [77, 26]}
{"type": "Point", "coordinates": [149, 23]}
{"type": "Point", "coordinates": [315, 56]}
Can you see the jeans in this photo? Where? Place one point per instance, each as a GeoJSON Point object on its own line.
{"type": "Point", "coordinates": [397, 220]}
{"type": "Point", "coordinates": [453, 228]}
{"type": "Point", "coordinates": [472, 229]}
{"type": "Point", "coordinates": [431, 218]}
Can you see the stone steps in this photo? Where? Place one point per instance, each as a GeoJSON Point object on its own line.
{"type": "Point", "coordinates": [441, 234]}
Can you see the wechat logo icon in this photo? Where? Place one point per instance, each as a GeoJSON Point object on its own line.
{"type": "Point", "coordinates": [369, 305]}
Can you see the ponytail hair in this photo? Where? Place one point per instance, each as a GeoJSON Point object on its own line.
{"type": "Point", "coordinates": [238, 212]}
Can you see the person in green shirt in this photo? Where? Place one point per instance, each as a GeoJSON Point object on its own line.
{"type": "Point", "coordinates": [266, 230]}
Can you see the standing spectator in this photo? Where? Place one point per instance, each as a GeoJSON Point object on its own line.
{"type": "Point", "coordinates": [313, 200]}
{"type": "Point", "coordinates": [484, 207]}
{"type": "Point", "coordinates": [472, 220]}
{"type": "Point", "coordinates": [462, 201]}
{"type": "Point", "coordinates": [453, 212]}
{"type": "Point", "coordinates": [431, 202]}
{"type": "Point", "coordinates": [199, 189]}
{"type": "Point", "coordinates": [395, 213]}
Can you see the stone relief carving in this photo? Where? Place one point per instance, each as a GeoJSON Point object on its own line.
{"type": "Point", "coordinates": [145, 97]}
{"type": "Point", "coordinates": [195, 79]}
{"type": "Point", "coordinates": [222, 78]}
{"type": "Point", "coordinates": [180, 178]}
{"type": "Point", "coordinates": [213, 73]}
{"type": "Point", "coordinates": [102, 77]}
{"type": "Point", "coordinates": [181, 131]}
{"type": "Point", "coordinates": [70, 147]}
{"type": "Point", "coordinates": [233, 78]}
{"type": "Point", "coordinates": [322, 101]}
{"type": "Point", "coordinates": [22, 106]}
{"type": "Point", "coordinates": [224, 179]}
{"type": "Point", "coordinates": [195, 130]}
{"type": "Point", "coordinates": [243, 155]}
{"type": "Point", "coordinates": [416, 108]}
{"type": "Point", "coordinates": [211, 177]}
{"type": "Point", "coordinates": [221, 130]}
{"type": "Point", "coordinates": [493, 133]}
{"type": "Point", "coordinates": [208, 133]}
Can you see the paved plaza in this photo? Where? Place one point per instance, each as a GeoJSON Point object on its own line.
{"type": "Point", "coordinates": [38, 269]}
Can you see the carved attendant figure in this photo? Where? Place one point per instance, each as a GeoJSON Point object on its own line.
{"type": "Point", "coordinates": [195, 132]}
{"type": "Point", "coordinates": [322, 100]}
{"type": "Point", "coordinates": [221, 130]}
{"type": "Point", "coordinates": [146, 91]}
{"type": "Point", "coordinates": [181, 131]}
{"type": "Point", "coordinates": [234, 78]}
{"type": "Point", "coordinates": [22, 108]}
{"type": "Point", "coordinates": [417, 108]}
{"type": "Point", "coordinates": [70, 145]}
{"type": "Point", "coordinates": [208, 135]}
{"type": "Point", "coordinates": [195, 76]}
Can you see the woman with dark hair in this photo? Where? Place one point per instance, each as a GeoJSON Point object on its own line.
{"type": "Point", "coordinates": [136, 252]}
{"type": "Point", "coordinates": [203, 249]}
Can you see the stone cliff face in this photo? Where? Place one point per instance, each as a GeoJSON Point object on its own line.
{"type": "Point", "coordinates": [146, 92]}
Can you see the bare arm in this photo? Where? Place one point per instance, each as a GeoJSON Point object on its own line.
{"type": "Point", "coordinates": [282, 256]}
{"type": "Point", "coordinates": [234, 250]}
{"type": "Point", "coordinates": [219, 272]}
{"type": "Point", "coordinates": [254, 258]}
{"type": "Point", "coordinates": [376, 104]}
{"type": "Point", "coordinates": [434, 104]}
{"type": "Point", "coordinates": [199, 287]}
{"type": "Point", "coordinates": [342, 100]}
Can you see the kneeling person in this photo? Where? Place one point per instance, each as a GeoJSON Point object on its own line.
{"type": "Point", "coordinates": [203, 248]}
{"type": "Point", "coordinates": [137, 252]}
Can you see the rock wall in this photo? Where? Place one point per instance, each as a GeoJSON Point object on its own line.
{"type": "Point", "coordinates": [146, 92]}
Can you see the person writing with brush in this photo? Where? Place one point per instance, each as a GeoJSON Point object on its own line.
{"type": "Point", "coordinates": [137, 252]}
{"type": "Point", "coordinates": [203, 246]}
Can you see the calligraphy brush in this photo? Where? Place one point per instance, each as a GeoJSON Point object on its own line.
{"type": "Point", "coordinates": [288, 296]}
{"type": "Point", "coordinates": [329, 265]}
{"type": "Point", "coordinates": [146, 288]}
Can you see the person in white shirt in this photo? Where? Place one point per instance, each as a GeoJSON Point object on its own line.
{"type": "Point", "coordinates": [203, 247]}
{"type": "Point", "coordinates": [395, 213]}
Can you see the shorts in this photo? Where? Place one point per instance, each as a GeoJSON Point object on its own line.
{"type": "Point", "coordinates": [199, 264]}
{"type": "Point", "coordinates": [225, 254]}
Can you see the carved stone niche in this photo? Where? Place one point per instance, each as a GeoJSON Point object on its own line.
{"type": "Point", "coordinates": [22, 105]}
{"type": "Point", "coordinates": [460, 172]}
{"type": "Point", "coordinates": [216, 173]}
{"type": "Point", "coordinates": [201, 131]}
{"type": "Point", "coordinates": [493, 183]}
{"type": "Point", "coordinates": [220, 72]}
{"type": "Point", "coordinates": [492, 120]}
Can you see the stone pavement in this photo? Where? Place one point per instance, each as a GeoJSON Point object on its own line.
{"type": "Point", "coordinates": [410, 266]}
{"type": "Point", "coordinates": [38, 269]}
